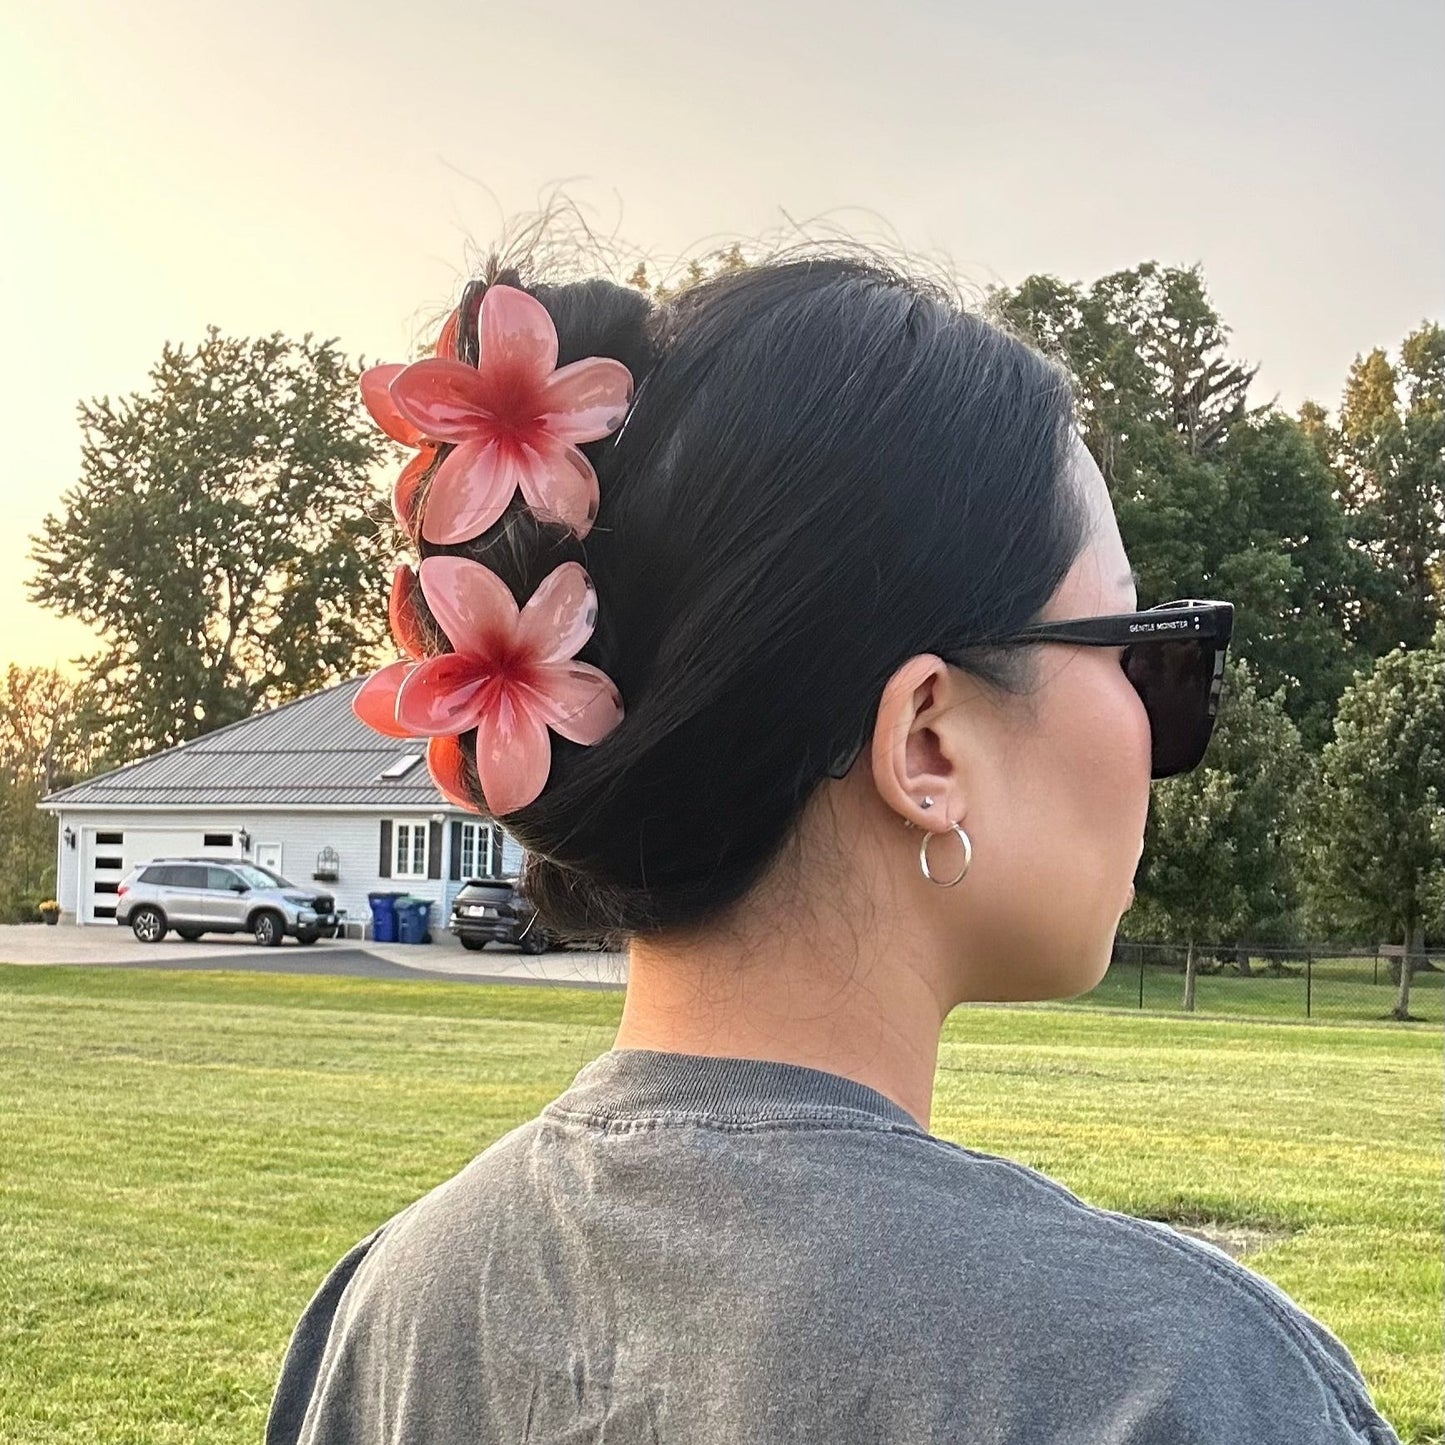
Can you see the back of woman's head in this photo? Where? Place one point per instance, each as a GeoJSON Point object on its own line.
{"type": "Point", "coordinates": [827, 468]}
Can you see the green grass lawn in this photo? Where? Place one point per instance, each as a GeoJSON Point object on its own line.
{"type": "Point", "coordinates": [1342, 989]}
{"type": "Point", "coordinates": [186, 1154]}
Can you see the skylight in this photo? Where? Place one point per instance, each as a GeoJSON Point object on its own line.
{"type": "Point", "coordinates": [400, 767]}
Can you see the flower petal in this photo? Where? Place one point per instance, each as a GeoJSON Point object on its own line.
{"type": "Point", "coordinates": [560, 615]}
{"type": "Point", "coordinates": [375, 701]}
{"type": "Point", "coordinates": [470, 491]}
{"type": "Point", "coordinates": [403, 492]}
{"type": "Point", "coordinates": [471, 604]}
{"type": "Point", "coordinates": [587, 400]}
{"type": "Point", "coordinates": [517, 334]}
{"type": "Point", "coordinates": [401, 613]}
{"type": "Point", "coordinates": [441, 695]}
{"type": "Point", "coordinates": [558, 483]}
{"type": "Point", "coordinates": [446, 762]}
{"type": "Point", "coordinates": [376, 396]}
{"type": "Point", "coordinates": [579, 701]}
{"type": "Point", "coordinates": [446, 400]}
{"type": "Point", "coordinates": [446, 346]}
{"type": "Point", "coordinates": [514, 753]}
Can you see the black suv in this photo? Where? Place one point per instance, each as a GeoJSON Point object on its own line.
{"type": "Point", "coordinates": [494, 910]}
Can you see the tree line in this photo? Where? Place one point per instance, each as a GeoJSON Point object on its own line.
{"type": "Point", "coordinates": [228, 533]}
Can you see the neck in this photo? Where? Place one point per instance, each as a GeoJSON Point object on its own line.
{"type": "Point", "coordinates": [830, 999]}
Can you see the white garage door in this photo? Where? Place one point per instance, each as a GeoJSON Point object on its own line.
{"type": "Point", "coordinates": [108, 854]}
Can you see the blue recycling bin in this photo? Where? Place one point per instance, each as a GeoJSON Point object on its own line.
{"type": "Point", "coordinates": [384, 915]}
{"type": "Point", "coordinates": [412, 917]}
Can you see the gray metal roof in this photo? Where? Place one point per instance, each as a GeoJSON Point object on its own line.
{"type": "Point", "coordinates": [313, 752]}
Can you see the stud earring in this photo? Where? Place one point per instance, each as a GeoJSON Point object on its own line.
{"type": "Point", "coordinates": [924, 802]}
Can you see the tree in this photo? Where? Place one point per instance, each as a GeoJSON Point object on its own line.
{"type": "Point", "coordinates": [1280, 551]}
{"type": "Point", "coordinates": [225, 538]}
{"type": "Point", "coordinates": [1147, 352]}
{"type": "Point", "coordinates": [1180, 341]}
{"type": "Point", "coordinates": [1214, 864]}
{"type": "Point", "coordinates": [1212, 498]}
{"type": "Point", "coordinates": [1375, 816]}
{"type": "Point", "coordinates": [1388, 453]}
{"type": "Point", "coordinates": [696, 269]}
{"type": "Point", "coordinates": [44, 745]}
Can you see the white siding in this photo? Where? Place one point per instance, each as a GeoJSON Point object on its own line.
{"type": "Point", "coordinates": [300, 836]}
{"type": "Point", "coordinates": [356, 840]}
{"type": "Point", "coordinates": [67, 869]}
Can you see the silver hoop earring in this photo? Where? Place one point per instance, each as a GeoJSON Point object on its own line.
{"type": "Point", "coordinates": [967, 857]}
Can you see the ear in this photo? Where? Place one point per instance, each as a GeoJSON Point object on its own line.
{"type": "Point", "coordinates": [909, 757]}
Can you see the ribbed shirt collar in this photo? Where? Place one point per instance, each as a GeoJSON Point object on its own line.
{"type": "Point", "coordinates": [634, 1083]}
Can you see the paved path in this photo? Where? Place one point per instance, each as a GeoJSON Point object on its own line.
{"type": "Point", "coordinates": [99, 946]}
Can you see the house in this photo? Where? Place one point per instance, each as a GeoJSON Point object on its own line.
{"type": "Point", "coordinates": [305, 789]}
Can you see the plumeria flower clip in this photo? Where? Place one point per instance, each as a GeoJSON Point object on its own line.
{"type": "Point", "coordinates": [514, 422]}
{"type": "Point", "coordinates": [444, 754]}
{"type": "Point", "coordinates": [512, 675]}
{"type": "Point", "coordinates": [377, 398]}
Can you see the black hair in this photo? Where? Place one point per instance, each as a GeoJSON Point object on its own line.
{"type": "Point", "coordinates": [828, 467]}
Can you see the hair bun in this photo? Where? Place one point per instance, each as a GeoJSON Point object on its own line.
{"type": "Point", "coordinates": [759, 562]}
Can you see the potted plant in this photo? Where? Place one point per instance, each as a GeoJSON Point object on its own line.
{"type": "Point", "coordinates": [50, 911]}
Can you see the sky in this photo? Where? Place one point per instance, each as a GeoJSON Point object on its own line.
{"type": "Point", "coordinates": [337, 166]}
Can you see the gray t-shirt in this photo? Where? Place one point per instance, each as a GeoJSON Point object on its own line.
{"type": "Point", "coordinates": [700, 1250]}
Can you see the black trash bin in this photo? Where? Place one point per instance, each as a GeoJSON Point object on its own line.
{"type": "Point", "coordinates": [413, 916]}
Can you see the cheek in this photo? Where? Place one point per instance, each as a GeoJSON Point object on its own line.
{"type": "Point", "coordinates": [1132, 730]}
{"type": "Point", "coordinates": [1100, 743]}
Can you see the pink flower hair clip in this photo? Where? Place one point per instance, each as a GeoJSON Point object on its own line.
{"type": "Point", "coordinates": [514, 421]}
{"type": "Point", "coordinates": [512, 676]}
{"type": "Point", "coordinates": [377, 399]}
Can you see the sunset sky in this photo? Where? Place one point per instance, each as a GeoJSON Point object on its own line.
{"type": "Point", "coordinates": [334, 167]}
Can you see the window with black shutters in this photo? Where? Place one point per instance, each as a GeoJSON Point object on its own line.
{"type": "Point", "coordinates": [412, 855]}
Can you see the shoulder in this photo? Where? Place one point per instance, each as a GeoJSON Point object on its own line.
{"type": "Point", "coordinates": [1175, 1324]}
{"type": "Point", "coordinates": [372, 1298]}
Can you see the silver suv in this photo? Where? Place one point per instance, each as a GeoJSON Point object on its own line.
{"type": "Point", "coordinates": [211, 895]}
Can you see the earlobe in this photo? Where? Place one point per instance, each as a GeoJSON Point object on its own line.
{"type": "Point", "coordinates": [908, 765]}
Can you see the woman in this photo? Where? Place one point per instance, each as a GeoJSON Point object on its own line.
{"type": "Point", "coordinates": [811, 667]}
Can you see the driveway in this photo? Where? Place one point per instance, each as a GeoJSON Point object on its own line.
{"type": "Point", "coordinates": [100, 946]}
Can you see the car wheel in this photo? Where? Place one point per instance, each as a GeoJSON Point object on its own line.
{"type": "Point", "coordinates": [148, 925]}
{"type": "Point", "coordinates": [534, 941]}
{"type": "Point", "coordinates": [475, 945]}
{"type": "Point", "coordinates": [310, 936]}
{"type": "Point", "coordinates": [268, 928]}
{"type": "Point", "coordinates": [189, 934]}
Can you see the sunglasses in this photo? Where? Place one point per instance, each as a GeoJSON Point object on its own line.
{"type": "Point", "coordinates": [1174, 657]}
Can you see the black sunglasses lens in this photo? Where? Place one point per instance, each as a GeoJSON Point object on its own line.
{"type": "Point", "coordinates": [1174, 679]}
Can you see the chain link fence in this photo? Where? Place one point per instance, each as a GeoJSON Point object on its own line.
{"type": "Point", "coordinates": [1319, 981]}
